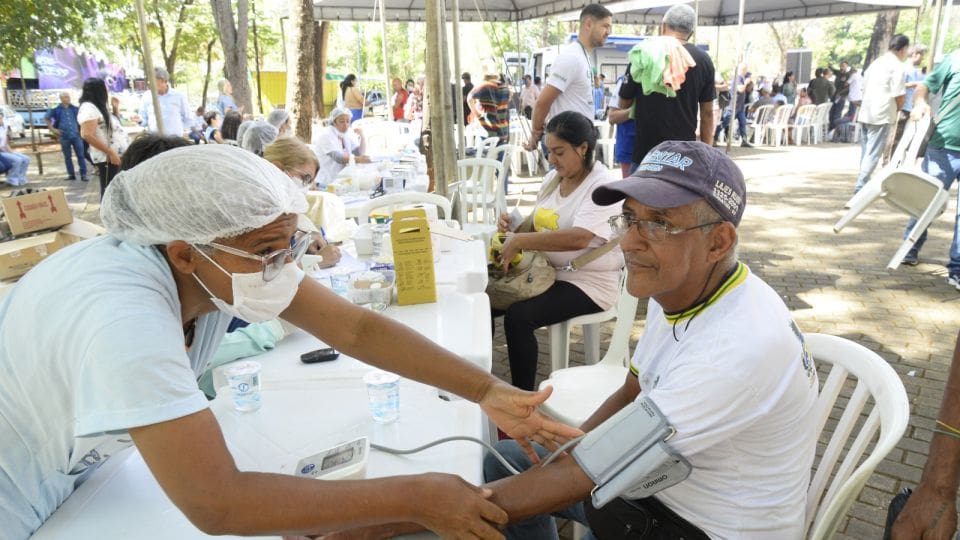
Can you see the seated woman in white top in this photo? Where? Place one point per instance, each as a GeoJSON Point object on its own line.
{"type": "Point", "coordinates": [566, 224]}
{"type": "Point", "coordinates": [336, 143]}
{"type": "Point", "coordinates": [120, 327]}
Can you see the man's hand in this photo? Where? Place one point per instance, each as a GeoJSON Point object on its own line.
{"type": "Point", "coordinates": [928, 516]}
{"type": "Point", "coordinates": [452, 508]}
{"type": "Point", "coordinates": [515, 412]}
{"type": "Point", "coordinates": [919, 110]}
{"type": "Point", "coordinates": [113, 157]}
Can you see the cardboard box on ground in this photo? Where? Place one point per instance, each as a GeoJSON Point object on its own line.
{"type": "Point", "coordinates": [38, 211]}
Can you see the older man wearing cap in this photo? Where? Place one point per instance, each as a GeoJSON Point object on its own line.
{"type": "Point", "coordinates": [174, 108]}
{"type": "Point", "coordinates": [720, 362]}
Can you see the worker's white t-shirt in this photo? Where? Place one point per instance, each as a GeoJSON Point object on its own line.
{"type": "Point", "coordinates": [572, 74]}
{"type": "Point", "coordinates": [331, 140]}
{"type": "Point", "coordinates": [600, 279]}
{"type": "Point", "coordinates": [735, 381]}
{"type": "Point", "coordinates": [91, 344]}
{"type": "Point", "coordinates": [883, 82]}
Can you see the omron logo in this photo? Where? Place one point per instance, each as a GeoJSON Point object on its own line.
{"type": "Point", "coordinates": [654, 482]}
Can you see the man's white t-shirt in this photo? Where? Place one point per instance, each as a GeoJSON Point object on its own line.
{"type": "Point", "coordinates": [855, 84]}
{"type": "Point", "coordinates": [600, 279]}
{"type": "Point", "coordinates": [735, 381]}
{"type": "Point", "coordinates": [883, 82]}
{"type": "Point", "coordinates": [572, 74]}
{"type": "Point", "coordinates": [91, 344]}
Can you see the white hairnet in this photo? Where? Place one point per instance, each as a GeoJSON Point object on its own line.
{"type": "Point", "coordinates": [339, 111]}
{"type": "Point", "coordinates": [244, 126]}
{"type": "Point", "coordinates": [257, 136]}
{"type": "Point", "coordinates": [197, 194]}
{"type": "Point", "coordinates": [277, 117]}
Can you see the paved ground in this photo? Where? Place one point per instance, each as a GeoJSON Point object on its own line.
{"type": "Point", "coordinates": [837, 284]}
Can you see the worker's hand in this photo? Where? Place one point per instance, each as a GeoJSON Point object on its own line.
{"type": "Point", "coordinates": [452, 508]}
{"type": "Point", "coordinates": [919, 110]}
{"type": "Point", "coordinates": [530, 145]}
{"type": "Point", "coordinates": [928, 515]}
{"type": "Point", "coordinates": [503, 222]}
{"type": "Point", "coordinates": [114, 157]}
{"type": "Point", "coordinates": [509, 250]}
{"type": "Point", "coordinates": [363, 159]}
{"type": "Point", "coordinates": [515, 412]}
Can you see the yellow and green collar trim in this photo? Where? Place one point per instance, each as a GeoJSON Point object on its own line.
{"type": "Point", "coordinates": [736, 278]}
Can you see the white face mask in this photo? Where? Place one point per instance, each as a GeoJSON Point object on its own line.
{"type": "Point", "coordinates": [256, 300]}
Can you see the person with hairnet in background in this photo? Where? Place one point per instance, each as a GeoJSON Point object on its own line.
{"type": "Point", "coordinates": [280, 119]}
{"type": "Point", "coordinates": [335, 144]}
{"type": "Point", "coordinates": [121, 325]}
{"type": "Point", "coordinates": [257, 137]}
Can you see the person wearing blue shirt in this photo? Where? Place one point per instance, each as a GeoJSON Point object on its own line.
{"type": "Point", "coordinates": [62, 122]}
{"type": "Point", "coordinates": [599, 103]}
{"type": "Point", "coordinates": [225, 102]}
{"type": "Point", "coordinates": [173, 108]}
{"type": "Point", "coordinates": [122, 325]}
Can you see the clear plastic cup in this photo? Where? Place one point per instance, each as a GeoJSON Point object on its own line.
{"type": "Point", "coordinates": [340, 282]}
{"type": "Point", "coordinates": [383, 390]}
{"type": "Point", "coordinates": [244, 380]}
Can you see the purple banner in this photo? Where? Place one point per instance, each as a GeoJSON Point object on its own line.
{"type": "Point", "coordinates": [65, 68]}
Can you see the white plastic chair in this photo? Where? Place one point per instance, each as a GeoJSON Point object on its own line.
{"type": "Point", "coordinates": [606, 143]}
{"type": "Point", "coordinates": [579, 391]}
{"type": "Point", "coordinates": [392, 200]}
{"type": "Point", "coordinates": [834, 489]}
{"type": "Point", "coordinates": [560, 332]}
{"type": "Point", "coordinates": [534, 156]}
{"type": "Point", "coordinates": [821, 122]}
{"type": "Point", "coordinates": [758, 126]}
{"type": "Point", "coordinates": [779, 125]}
{"type": "Point", "coordinates": [903, 187]}
{"type": "Point", "coordinates": [803, 123]}
{"type": "Point", "coordinates": [479, 190]}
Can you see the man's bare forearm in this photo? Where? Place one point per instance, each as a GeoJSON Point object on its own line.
{"type": "Point", "coordinates": [541, 490]}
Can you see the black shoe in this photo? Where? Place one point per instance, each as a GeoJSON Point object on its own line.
{"type": "Point", "coordinates": [71, 178]}
{"type": "Point", "coordinates": [85, 178]}
{"type": "Point", "coordinates": [912, 258]}
{"type": "Point", "coordinates": [745, 144]}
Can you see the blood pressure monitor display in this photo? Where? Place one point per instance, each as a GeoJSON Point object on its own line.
{"type": "Point", "coordinates": [347, 460]}
{"type": "Point", "coordinates": [332, 460]}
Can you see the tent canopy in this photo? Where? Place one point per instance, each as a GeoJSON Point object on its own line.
{"type": "Point", "coordinates": [712, 12]}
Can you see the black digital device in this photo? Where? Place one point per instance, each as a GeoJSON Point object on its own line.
{"type": "Point", "coordinates": [319, 355]}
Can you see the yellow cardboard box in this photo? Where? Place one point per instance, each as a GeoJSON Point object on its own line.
{"type": "Point", "coordinates": [37, 211]}
{"type": "Point", "coordinates": [20, 255]}
{"type": "Point", "coordinates": [413, 257]}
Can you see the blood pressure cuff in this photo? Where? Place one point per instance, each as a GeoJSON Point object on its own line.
{"type": "Point", "coordinates": [642, 519]}
{"type": "Point", "coordinates": [628, 455]}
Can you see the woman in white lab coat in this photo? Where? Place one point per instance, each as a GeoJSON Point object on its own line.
{"type": "Point", "coordinates": [336, 143]}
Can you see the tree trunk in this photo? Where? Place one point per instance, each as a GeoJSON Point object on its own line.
{"type": "Point", "coordinates": [233, 38]}
{"type": "Point", "coordinates": [321, 35]}
{"type": "Point", "coordinates": [256, 57]}
{"type": "Point", "coordinates": [883, 31]}
{"type": "Point", "coordinates": [170, 55]}
{"type": "Point", "coordinates": [300, 78]}
{"type": "Point", "coordinates": [206, 77]}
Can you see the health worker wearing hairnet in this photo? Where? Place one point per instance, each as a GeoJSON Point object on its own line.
{"type": "Point", "coordinates": [101, 345]}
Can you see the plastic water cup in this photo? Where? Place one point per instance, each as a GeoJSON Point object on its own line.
{"type": "Point", "coordinates": [244, 380]}
{"type": "Point", "coordinates": [340, 282]}
{"type": "Point", "coordinates": [383, 390]}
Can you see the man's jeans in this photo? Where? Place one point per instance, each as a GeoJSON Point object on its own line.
{"type": "Point", "coordinates": [725, 123]}
{"type": "Point", "coordinates": [17, 174]}
{"type": "Point", "coordinates": [873, 137]}
{"type": "Point", "coordinates": [74, 143]}
{"type": "Point", "coordinates": [540, 527]}
{"type": "Point", "coordinates": [945, 166]}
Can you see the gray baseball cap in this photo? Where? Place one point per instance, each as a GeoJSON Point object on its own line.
{"type": "Point", "coordinates": [676, 173]}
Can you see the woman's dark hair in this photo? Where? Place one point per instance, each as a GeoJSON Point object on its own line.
{"type": "Point", "coordinates": [347, 82]}
{"type": "Point", "coordinates": [208, 117]}
{"type": "Point", "coordinates": [148, 145]}
{"type": "Point", "coordinates": [786, 78]}
{"type": "Point", "coordinates": [95, 91]}
{"type": "Point", "coordinates": [409, 81]}
{"type": "Point", "coordinates": [899, 42]}
{"type": "Point", "coordinates": [576, 129]}
{"type": "Point", "coordinates": [230, 124]}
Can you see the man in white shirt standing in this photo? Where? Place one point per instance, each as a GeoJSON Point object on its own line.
{"type": "Point", "coordinates": [884, 84]}
{"type": "Point", "coordinates": [569, 86]}
{"type": "Point", "coordinates": [173, 108]}
{"type": "Point", "coordinates": [528, 96]}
